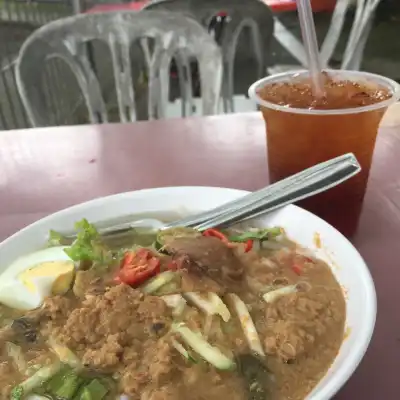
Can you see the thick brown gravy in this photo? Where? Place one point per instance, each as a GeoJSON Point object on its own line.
{"type": "Point", "coordinates": [120, 332]}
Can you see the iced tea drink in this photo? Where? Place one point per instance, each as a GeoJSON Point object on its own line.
{"type": "Point", "coordinates": [303, 131]}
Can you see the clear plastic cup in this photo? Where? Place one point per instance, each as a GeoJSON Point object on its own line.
{"type": "Point", "coordinates": [298, 138]}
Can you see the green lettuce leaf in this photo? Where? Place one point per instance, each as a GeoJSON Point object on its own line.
{"type": "Point", "coordinates": [56, 239]}
{"type": "Point", "coordinates": [260, 234]}
{"type": "Point", "coordinates": [88, 245]}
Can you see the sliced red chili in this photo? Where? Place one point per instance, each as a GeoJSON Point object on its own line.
{"type": "Point", "coordinates": [297, 269]}
{"type": "Point", "coordinates": [300, 262]}
{"type": "Point", "coordinates": [217, 234]}
{"type": "Point", "coordinates": [248, 246]}
{"type": "Point", "coordinates": [137, 267]}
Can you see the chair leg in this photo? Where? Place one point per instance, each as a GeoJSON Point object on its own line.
{"type": "Point", "coordinates": [334, 31]}
{"type": "Point", "coordinates": [227, 77]}
{"type": "Point", "coordinates": [290, 42]}
{"type": "Point", "coordinates": [228, 48]}
{"type": "Point", "coordinates": [183, 73]}
{"type": "Point", "coordinates": [230, 87]}
{"type": "Point", "coordinates": [356, 60]}
{"type": "Point", "coordinates": [359, 36]}
{"type": "Point", "coordinates": [224, 91]}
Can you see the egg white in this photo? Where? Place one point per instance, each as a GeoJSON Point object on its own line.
{"type": "Point", "coordinates": [16, 294]}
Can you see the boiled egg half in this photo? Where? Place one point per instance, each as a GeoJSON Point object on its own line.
{"type": "Point", "coordinates": [30, 279]}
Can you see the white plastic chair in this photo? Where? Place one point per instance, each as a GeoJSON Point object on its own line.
{"type": "Point", "coordinates": [253, 15]}
{"type": "Point", "coordinates": [174, 35]}
{"type": "Point", "coordinates": [353, 54]}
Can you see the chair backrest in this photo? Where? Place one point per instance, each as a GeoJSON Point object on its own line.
{"type": "Point", "coordinates": [362, 26]}
{"type": "Point", "coordinates": [335, 30]}
{"type": "Point", "coordinates": [241, 14]}
{"type": "Point", "coordinates": [173, 36]}
{"type": "Point", "coordinates": [352, 56]}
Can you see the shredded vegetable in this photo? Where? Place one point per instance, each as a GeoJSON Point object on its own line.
{"type": "Point", "coordinates": [169, 288]}
{"type": "Point", "coordinates": [219, 306]}
{"type": "Point", "coordinates": [210, 353]}
{"type": "Point", "coordinates": [211, 305]}
{"type": "Point", "coordinates": [158, 281]}
{"type": "Point", "coordinates": [37, 379]}
{"type": "Point", "coordinates": [32, 369]}
{"type": "Point", "coordinates": [247, 323]}
{"type": "Point", "coordinates": [65, 355]}
{"type": "Point", "coordinates": [274, 295]}
{"type": "Point", "coordinates": [180, 349]}
{"type": "Point", "coordinates": [166, 235]}
{"type": "Point", "coordinates": [15, 353]}
{"type": "Point", "coordinates": [176, 302]}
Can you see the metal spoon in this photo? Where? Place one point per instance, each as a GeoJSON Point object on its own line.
{"type": "Point", "coordinates": [304, 184]}
{"type": "Point", "coordinates": [297, 187]}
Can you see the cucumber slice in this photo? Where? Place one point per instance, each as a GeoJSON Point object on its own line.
{"type": "Point", "coordinates": [210, 353]}
{"type": "Point", "coordinates": [158, 281]}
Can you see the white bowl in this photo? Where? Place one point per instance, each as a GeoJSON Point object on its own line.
{"type": "Point", "coordinates": [301, 226]}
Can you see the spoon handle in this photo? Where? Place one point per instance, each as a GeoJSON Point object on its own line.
{"type": "Point", "coordinates": [304, 184]}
